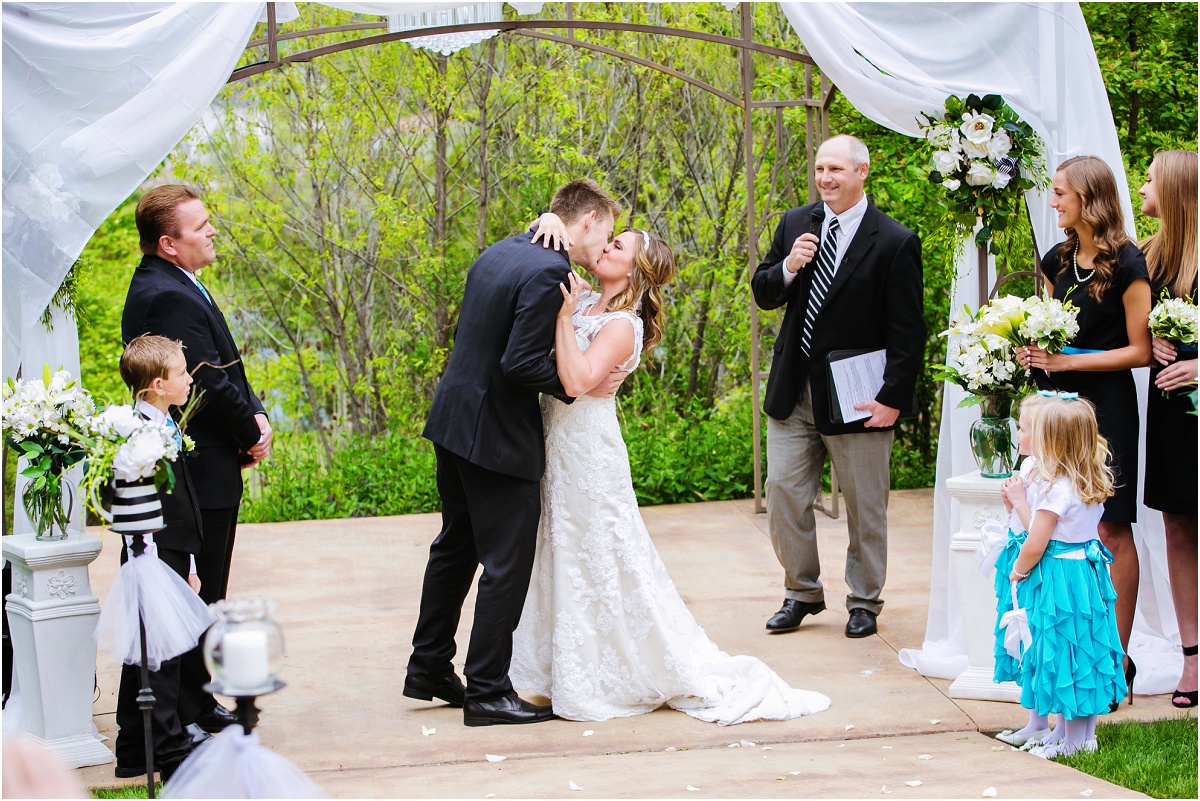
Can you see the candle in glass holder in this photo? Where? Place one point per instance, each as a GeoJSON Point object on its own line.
{"type": "Point", "coordinates": [246, 663]}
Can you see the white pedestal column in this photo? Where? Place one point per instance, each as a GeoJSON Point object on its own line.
{"type": "Point", "coordinates": [52, 615]}
{"type": "Point", "coordinates": [979, 501]}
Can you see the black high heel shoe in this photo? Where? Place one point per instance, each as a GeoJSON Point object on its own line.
{"type": "Point", "coordinates": [1180, 699]}
{"type": "Point", "coordinates": [1130, 672]}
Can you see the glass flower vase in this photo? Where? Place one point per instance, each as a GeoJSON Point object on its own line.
{"type": "Point", "coordinates": [49, 507]}
{"type": "Point", "coordinates": [994, 437]}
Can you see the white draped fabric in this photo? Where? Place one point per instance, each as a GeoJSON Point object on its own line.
{"type": "Point", "coordinates": [896, 60]}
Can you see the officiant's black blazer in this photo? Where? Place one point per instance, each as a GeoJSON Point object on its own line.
{"type": "Point", "coordinates": [486, 405]}
{"type": "Point", "coordinates": [164, 301]}
{"type": "Point", "coordinates": [875, 301]}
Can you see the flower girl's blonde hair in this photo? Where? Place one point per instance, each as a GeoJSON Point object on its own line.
{"type": "Point", "coordinates": [1067, 444]}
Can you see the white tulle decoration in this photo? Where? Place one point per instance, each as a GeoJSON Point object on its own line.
{"type": "Point", "coordinates": [175, 616]}
{"type": "Point", "coordinates": [234, 764]}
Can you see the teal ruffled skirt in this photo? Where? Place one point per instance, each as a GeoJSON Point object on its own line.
{"type": "Point", "coordinates": [1007, 668]}
{"type": "Point", "coordinates": [1073, 666]}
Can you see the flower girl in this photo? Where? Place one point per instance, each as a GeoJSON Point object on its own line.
{"type": "Point", "coordinates": [1070, 663]}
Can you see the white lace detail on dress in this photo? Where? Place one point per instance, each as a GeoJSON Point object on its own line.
{"type": "Point", "coordinates": [604, 633]}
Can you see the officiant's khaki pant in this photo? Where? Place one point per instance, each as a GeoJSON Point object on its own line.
{"type": "Point", "coordinates": [795, 460]}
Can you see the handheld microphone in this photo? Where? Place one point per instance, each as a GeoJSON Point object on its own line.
{"type": "Point", "coordinates": [816, 220]}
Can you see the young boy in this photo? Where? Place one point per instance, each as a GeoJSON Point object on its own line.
{"type": "Point", "coordinates": [155, 371]}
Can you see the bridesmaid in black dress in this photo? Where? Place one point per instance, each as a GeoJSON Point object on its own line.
{"type": "Point", "coordinates": [1171, 476]}
{"type": "Point", "coordinates": [1104, 274]}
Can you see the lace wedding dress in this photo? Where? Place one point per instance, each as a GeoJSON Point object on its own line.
{"type": "Point", "coordinates": [604, 633]}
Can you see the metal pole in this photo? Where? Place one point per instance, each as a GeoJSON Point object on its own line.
{"type": "Point", "coordinates": [145, 696]}
{"type": "Point", "coordinates": [747, 14]}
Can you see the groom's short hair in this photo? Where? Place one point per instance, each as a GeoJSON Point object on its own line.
{"type": "Point", "coordinates": [577, 198]}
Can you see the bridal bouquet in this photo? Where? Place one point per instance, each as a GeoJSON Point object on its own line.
{"type": "Point", "coordinates": [43, 421]}
{"type": "Point", "coordinates": [985, 156]}
{"type": "Point", "coordinates": [1049, 323]}
{"type": "Point", "coordinates": [1174, 319]}
{"type": "Point", "coordinates": [124, 443]}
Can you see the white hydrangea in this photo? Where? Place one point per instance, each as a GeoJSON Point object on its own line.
{"type": "Point", "coordinates": [1174, 319]}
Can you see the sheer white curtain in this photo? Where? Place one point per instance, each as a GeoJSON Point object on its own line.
{"type": "Point", "coordinates": [895, 60]}
{"type": "Point", "coordinates": [95, 96]}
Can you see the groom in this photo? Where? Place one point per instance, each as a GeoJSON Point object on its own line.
{"type": "Point", "coordinates": [486, 429]}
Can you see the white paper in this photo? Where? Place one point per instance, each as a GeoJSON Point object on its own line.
{"type": "Point", "coordinates": [858, 379]}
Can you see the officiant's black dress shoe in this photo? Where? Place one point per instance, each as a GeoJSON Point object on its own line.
{"type": "Point", "coordinates": [791, 613]}
{"type": "Point", "coordinates": [511, 709]}
{"type": "Point", "coordinates": [861, 623]}
{"type": "Point", "coordinates": [216, 719]}
{"type": "Point", "coordinates": [448, 688]}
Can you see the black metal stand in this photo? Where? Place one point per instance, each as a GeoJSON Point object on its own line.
{"type": "Point", "coordinates": [145, 697]}
{"type": "Point", "coordinates": [244, 709]}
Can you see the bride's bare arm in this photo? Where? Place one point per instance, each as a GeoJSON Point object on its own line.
{"type": "Point", "coordinates": [578, 371]}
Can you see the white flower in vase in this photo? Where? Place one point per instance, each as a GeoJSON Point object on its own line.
{"type": "Point", "coordinates": [139, 457]}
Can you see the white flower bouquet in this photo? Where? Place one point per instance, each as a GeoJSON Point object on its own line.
{"type": "Point", "coordinates": [985, 156]}
{"type": "Point", "coordinates": [124, 443]}
{"type": "Point", "coordinates": [44, 420]}
{"type": "Point", "coordinates": [982, 348]}
{"type": "Point", "coordinates": [1174, 319]}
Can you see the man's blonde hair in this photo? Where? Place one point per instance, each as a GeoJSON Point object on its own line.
{"type": "Point", "coordinates": [146, 358]}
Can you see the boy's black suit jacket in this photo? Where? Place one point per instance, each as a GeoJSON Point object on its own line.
{"type": "Point", "coordinates": [486, 405]}
{"type": "Point", "coordinates": [164, 301]}
{"type": "Point", "coordinates": [875, 301]}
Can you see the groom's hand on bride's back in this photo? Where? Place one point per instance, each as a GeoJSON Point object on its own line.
{"type": "Point", "coordinates": [609, 386]}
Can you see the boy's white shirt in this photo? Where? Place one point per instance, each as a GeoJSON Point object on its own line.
{"type": "Point", "coordinates": [159, 417]}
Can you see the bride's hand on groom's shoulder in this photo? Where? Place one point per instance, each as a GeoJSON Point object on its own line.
{"type": "Point", "coordinates": [550, 228]}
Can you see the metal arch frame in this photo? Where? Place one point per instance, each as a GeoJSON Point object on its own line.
{"type": "Point", "coordinates": [815, 104]}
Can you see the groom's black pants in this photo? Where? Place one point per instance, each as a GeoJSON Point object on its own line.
{"type": "Point", "coordinates": [490, 519]}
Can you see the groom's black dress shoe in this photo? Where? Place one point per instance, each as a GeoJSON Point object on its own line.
{"type": "Point", "coordinates": [216, 719]}
{"type": "Point", "coordinates": [861, 623]}
{"type": "Point", "coordinates": [448, 688]}
{"type": "Point", "coordinates": [510, 709]}
{"type": "Point", "coordinates": [791, 613]}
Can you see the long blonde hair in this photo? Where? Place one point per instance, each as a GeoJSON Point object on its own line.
{"type": "Point", "coordinates": [653, 267]}
{"type": "Point", "coordinates": [1091, 179]}
{"type": "Point", "coordinates": [1067, 444]}
{"type": "Point", "coordinates": [1171, 252]}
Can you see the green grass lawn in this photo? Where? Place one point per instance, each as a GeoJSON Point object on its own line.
{"type": "Point", "coordinates": [131, 791]}
{"type": "Point", "coordinates": [1157, 758]}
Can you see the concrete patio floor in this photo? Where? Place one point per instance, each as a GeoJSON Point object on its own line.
{"type": "Point", "coordinates": [347, 593]}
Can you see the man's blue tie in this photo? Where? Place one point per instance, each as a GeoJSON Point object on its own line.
{"type": "Point", "coordinates": [203, 291]}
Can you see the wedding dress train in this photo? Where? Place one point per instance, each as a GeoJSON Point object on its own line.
{"type": "Point", "coordinates": [604, 633]}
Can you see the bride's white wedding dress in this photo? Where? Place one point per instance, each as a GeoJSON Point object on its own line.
{"type": "Point", "coordinates": [604, 633]}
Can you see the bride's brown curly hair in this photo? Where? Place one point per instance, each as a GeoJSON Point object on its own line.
{"type": "Point", "coordinates": [653, 268]}
{"type": "Point", "coordinates": [1100, 208]}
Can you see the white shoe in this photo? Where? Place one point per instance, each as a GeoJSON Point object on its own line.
{"type": "Point", "coordinates": [1012, 738]}
{"type": "Point", "coordinates": [1059, 749]}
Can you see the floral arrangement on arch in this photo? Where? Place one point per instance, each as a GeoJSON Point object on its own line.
{"type": "Point", "coordinates": [985, 157]}
{"type": "Point", "coordinates": [982, 349]}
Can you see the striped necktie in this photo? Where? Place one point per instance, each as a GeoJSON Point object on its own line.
{"type": "Point", "coordinates": [822, 278]}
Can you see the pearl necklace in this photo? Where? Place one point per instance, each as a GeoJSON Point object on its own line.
{"type": "Point", "coordinates": [1075, 265]}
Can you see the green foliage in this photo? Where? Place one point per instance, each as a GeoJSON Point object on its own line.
{"type": "Point", "coordinates": [1156, 758]}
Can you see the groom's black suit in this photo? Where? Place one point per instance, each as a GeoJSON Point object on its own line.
{"type": "Point", "coordinates": [486, 426]}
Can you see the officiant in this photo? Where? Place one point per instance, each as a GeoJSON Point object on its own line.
{"type": "Point", "coordinates": [850, 278]}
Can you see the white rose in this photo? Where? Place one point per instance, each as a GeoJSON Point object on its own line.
{"type": "Point", "coordinates": [1001, 180]}
{"type": "Point", "coordinates": [119, 420]}
{"type": "Point", "coordinates": [973, 150]}
{"type": "Point", "coordinates": [945, 162]}
{"type": "Point", "coordinates": [977, 128]}
{"type": "Point", "coordinates": [999, 145]}
{"type": "Point", "coordinates": [980, 174]}
{"type": "Point", "coordinates": [952, 184]}
{"type": "Point", "coordinates": [139, 457]}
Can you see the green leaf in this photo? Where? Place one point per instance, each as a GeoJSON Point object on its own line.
{"type": "Point", "coordinates": [992, 102]}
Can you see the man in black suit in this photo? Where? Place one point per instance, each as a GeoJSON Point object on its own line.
{"type": "Point", "coordinates": [230, 429]}
{"type": "Point", "coordinates": [486, 426]}
{"type": "Point", "coordinates": [851, 280]}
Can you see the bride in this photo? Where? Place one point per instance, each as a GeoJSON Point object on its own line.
{"type": "Point", "coordinates": [604, 633]}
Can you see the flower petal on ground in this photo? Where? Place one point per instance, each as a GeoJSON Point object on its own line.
{"type": "Point", "coordinates": [425, 730]}
{"type": "Point", "coordinates": [573, 786]}
{"type": "Point", "coordinates": [746, 744]}
{"type": "Point", "coordinates": [935, 721]}
{"type": "Point", "coordinates": [914, 783]}
{"type": "Point", "coordinates": [989, 792]}
{"type": "Point", "coordinates": [1086, 794]}
{"type": "Point", "coordinates": [494, 758]}
{"type": "Point", "coordinates": [588, 733]}
{"type": "Point", "coordinates": [693, 789]}
{"type": "Point", "coordinates": [925, 756]}
{"type": "Point", "coordinates": [849, 726]}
